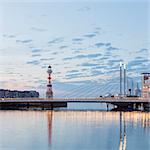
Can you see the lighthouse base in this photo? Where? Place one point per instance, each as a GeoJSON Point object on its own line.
{"type": "Point", "coordinates": [49, 94]}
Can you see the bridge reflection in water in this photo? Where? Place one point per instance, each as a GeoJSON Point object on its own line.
{"type": "Point", "coordinates": [93, 130]}
{"type": "Point", "coordinates": [123, 121]}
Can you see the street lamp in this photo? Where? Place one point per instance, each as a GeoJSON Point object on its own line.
{"type": "Point", "coordinates": [124, 67]}
{"type": "Point", "coordinates": [121, 79]}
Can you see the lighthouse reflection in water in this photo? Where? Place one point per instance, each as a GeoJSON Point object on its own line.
{"type": "Point", "coordinates": [72, 130]}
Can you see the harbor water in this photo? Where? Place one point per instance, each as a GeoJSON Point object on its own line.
{"type": "Point", "coordinates": [78, 127]}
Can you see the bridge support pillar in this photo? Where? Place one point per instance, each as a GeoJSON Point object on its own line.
{"type": "Point", "coordinates": [134, 106]}
{"type": "Point", "coordinates": [142, 107]}
{"type": "Point", "coordinates": [107, 106]}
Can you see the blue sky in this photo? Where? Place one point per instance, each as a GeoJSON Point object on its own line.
{"type": "Point", "coordinates": [83, 41]}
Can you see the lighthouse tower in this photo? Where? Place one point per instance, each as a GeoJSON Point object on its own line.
{"type": "Point", "coordinates": [49, 92]}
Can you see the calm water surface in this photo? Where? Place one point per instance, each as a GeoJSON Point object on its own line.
{"type": "Point", "coordinates": [71, 129]}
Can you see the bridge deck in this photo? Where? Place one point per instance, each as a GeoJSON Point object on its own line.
{"type": "Point", "coordinates": [92, 100]}
{"type": "Point", "coordinates": [21, 103]}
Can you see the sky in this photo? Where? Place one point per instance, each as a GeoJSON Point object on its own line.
{"type": "Point", "coordinates": [83, 41]}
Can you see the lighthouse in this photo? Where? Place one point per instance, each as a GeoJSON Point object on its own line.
{"type": "Point", "coordinates": [49, 92]}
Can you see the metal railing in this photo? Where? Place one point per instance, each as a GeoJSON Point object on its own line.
{"type": "Point", "coordinates": [113, 99]}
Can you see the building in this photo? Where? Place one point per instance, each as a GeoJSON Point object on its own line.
{"type": "Point", "coordinates": [18, 94]}
{"type": "Point", "coordinates": [138, 91]}
{"type": "Point", "coordinates": [146, 85]}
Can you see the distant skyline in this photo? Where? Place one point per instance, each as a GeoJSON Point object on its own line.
{"type": "Point", "coordinates": [82, 41]}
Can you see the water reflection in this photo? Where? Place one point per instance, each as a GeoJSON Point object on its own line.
{"type": "Point", "coordinates": [72, 130]}
{"type": "Point", "coordinates": [95, 119]}
{"type": "Point", "coordinates": [49, 124]}
{"type": "Point", "coordinates": [123, 139]}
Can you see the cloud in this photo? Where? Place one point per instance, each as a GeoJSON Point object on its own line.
{"type": "Point", "coordinates": [35, 50]}
{"type": "Point", "coordinates": [143, 67]}
{"type": "Point", "coordinates": [40, 81]}
{"type": "Point", "coordinates": [24, 41]}
{"type": "Point", "coordinates": [44, 59]}
{"type": "Point", "coordinates": [100, 67]}
{"type": "Point", "coordinates": [90, 35]}
{"type": "Point", "coordinates": [44, 66]}
{"type": "Point", "coordinates": [137, 62]}
{"type": "Point", "coordinates": [77, 39]}
{"type": "Point", "coordinates": [38, 29]}
{"type": "Point", "coordinates": [105, 58]}
{"type": "Point", "coordinates": [93, 55]}
{"type": "Point", "coordinates": [96, 32]}
{"type": "Point", "coordinates": [89, 64]}
{"type": "Point", "coordinates": [83, 56]}
{"type": "Point", "coordinates": [113, 70]}
{"type": "Point", "coordinates": [54, 53]}
{"type": "Point", "coordinates": [107, 44]}
{"type": "Point", "coordinates": [98, 28]}
{"type": "Point", "coordinates": [96, 73]}
{"type": "Point", "coordinates": [86, 8]}
{"type": "Point", "coordinates": [9, 36]}
{"type": "Point", "coordinates": [36, 55]}
{"type": "Point", "coordinates": [29, 87]}
{"type": "Point", "coordinates": [86, 56]}
{"type": "Point", "coordinates": [73, 71]}
{"type": "Point", "coordinates": [138, 57]}
{"type": "Point", "coordinates": [112, 48]}
{"type": "Point", "coordinates": [73, 75]}
{"type": "Point", "coordinates": [62, 47]}
{"type": "Point", "coordinates": [116, 61]}
{"type": "Point", "coordinates": [143, 50]}
{"type": "Point", "coordinates": [34, 62]}
{"type": "Point", "coordinates": [77, 49]}
{"type": "Point", "coordinates": [100, 44]}
{"type": "Point", "coordinates": [112, 67]}
{"type": "Point", "coordinates": [68, 58]}
{"type": "Point", "coordinates": [4, 35]}
{"type": "Point", "coordinates": [56, 40]}
{"type": "Point", "coordinates": [108, 53]}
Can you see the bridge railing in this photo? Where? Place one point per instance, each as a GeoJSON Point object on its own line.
{"type": "Point", "coordinates": [3, 99]}
{"type": "Point", "coordinates": [82, 99]}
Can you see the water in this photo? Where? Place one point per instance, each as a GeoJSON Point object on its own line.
{"type": "Point", "coordinates": [93, 128]}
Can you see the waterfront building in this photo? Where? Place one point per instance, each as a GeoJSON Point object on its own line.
{"type": "Point", "coordinates": [138, 91]}
{"type": "Point", "coordinates": [146, 85]}
{"type": "Point", "coordinates": [18, 94]}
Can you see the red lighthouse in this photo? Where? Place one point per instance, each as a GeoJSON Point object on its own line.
{"type": "Point", "coordinates": [49, 92]}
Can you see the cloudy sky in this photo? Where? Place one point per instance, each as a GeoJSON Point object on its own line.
{"type": "Point", "coordinates": [83, 41]}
